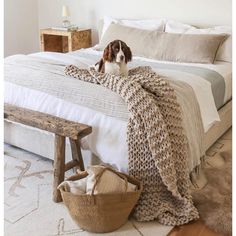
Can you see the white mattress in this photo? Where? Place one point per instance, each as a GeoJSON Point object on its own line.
{"type": "Point", "coordinates": [109, 142]}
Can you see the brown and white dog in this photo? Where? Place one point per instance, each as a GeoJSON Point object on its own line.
{"type": "Point", "coordinates": [115, 58]}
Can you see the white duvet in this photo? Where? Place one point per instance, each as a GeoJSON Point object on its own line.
{"type": "Point", "coordinates": [109, 142]}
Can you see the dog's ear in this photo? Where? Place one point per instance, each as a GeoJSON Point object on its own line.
{"type": "Point", "coordinates": [128, 54]}
{"type": "Point", "coordinates": [107, 54]}
{"type": "Point", "coordinates": [100, 66]}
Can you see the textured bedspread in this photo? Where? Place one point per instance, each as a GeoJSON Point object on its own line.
{"type": "Point", "coordinates": [48, 77]}
{"type": "Point", "coordinates": [158, 152]}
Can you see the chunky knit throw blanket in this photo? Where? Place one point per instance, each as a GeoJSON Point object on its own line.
{"type": "Point", "coordinates": [157, 145]}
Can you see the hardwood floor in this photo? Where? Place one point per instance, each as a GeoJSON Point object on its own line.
{"type": "Point", "coordinates": [196, 228]}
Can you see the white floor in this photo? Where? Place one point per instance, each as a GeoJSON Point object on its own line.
{"type": "Point", "coordinates": [30, 211]}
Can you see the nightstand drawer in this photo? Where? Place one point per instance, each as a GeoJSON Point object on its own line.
{"type": "Point", "coordinates": [64, 41]}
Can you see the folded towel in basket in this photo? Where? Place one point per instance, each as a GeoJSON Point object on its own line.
{"type": "Point", "coordinates": [109, 182]}
{"type": "Point", "coordinates": [75, 187]}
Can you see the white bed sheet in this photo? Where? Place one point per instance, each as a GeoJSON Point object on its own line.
{"type": "Point", "coordinates": [108, 131]}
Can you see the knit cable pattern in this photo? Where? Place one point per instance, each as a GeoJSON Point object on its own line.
{"type": "Point", "coordinates": [157, 145]}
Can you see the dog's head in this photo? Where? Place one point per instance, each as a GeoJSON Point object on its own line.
{"type": "Point", "coordinates": [117, 51]}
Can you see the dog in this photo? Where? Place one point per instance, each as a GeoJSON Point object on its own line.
{"type": "Point", "coordinates": [115, 58]}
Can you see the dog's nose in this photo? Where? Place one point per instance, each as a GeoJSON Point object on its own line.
{"type": "Point", "coordinates": [122, 57]}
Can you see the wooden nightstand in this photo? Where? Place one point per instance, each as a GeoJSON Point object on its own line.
{"type": "Point", "coordinates": [65, 41]}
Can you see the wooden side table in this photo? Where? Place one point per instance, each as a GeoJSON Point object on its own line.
{"type": "Point", "coordinates": [65, 41]}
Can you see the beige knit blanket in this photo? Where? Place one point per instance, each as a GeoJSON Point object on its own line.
{"type": "Point", "coordinates": [157, 145]}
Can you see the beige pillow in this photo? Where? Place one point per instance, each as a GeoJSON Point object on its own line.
{"type": "Point", "coordinates": [165, 46]}
{"type": "Point", "coordinates": [224, 52]}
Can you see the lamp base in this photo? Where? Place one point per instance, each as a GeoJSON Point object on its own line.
{"type": "Point", "coordinates": [66, 23]}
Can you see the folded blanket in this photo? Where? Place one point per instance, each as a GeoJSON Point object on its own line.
{"type": "Point", "coordinates": [157, 144]}
{"type": "Point", "coordinates": [75, 187]}
{"type": "Point", "coordinates": [102, 179]}
{"type": "Point", "coordinates": [109, 182]}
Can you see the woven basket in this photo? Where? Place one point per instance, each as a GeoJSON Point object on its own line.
{"type": "Point", "coordinates": [101, 213]}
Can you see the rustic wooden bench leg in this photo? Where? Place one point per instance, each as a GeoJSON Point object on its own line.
{"type": "Point", "coordinates": [59, 166]}
{"type": "Point", "coordinates": [76, 153]}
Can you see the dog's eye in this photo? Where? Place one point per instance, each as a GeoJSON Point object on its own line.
{"type": "Point", "coordinates": [117, 49]}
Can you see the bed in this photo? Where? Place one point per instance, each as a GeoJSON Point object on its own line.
{"type": "Point", "coordinates": [213, 127]}
{"type": "Point", "coordinates": [38, 82]}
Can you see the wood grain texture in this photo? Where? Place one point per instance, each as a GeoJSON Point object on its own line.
{"type": "Point", "coordinates": [59, 166]}
{"type": "Point", "coordinates": [52, 43]}
{"type": "Point", "coordinates": [71, 164]}
{"type": "Point", "coordinates": [65, 41]}
{"type": "Point", "coordinates": [81, 39]}
{"type": "Point", "coordinates": [196, 228]}
{"type": "Point", "coordinates": [61, 128]}
{"type": "Point", "coordinates": [76, 153]}
{"type": "Point", "coordinates": [46, 122]}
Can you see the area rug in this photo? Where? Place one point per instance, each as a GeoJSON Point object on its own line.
{"type": "Point", "coordinates": [29, 209]}
{"type": "Point", "coordinates": [214, 201]}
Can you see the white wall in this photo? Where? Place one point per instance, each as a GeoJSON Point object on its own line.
{"type": "Point", "coordinates": [20, 27]}
{"type": "Point", "coordinates": [86, 13]}
{"type": "Point", "coordinates": [24, 18]}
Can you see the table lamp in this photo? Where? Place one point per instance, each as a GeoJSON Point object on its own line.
{"type": "Point", "coordinates": [65, 15]}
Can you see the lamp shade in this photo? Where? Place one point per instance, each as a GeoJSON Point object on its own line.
{"type": "Point", "coordinates": [65, 11]}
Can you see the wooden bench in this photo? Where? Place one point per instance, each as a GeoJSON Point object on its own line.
{"type": "Point", "coordinates": [61, 128]}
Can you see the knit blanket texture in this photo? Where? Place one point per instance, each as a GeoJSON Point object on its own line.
{"type": "Point", "coordinates": [157, 144]}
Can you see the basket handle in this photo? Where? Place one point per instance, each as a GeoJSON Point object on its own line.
{"type": "Point", "coordinates": [79, 175]}
{"type": "Point", "coordinates": [100, 175]}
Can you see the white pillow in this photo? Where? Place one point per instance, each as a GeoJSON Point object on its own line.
{"type": "Point", "coordinates": [177, 27]}
{"type": "Point", "coordinates": [224, 52]}
{"type": "Point", "coordinates": [153, 24]}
